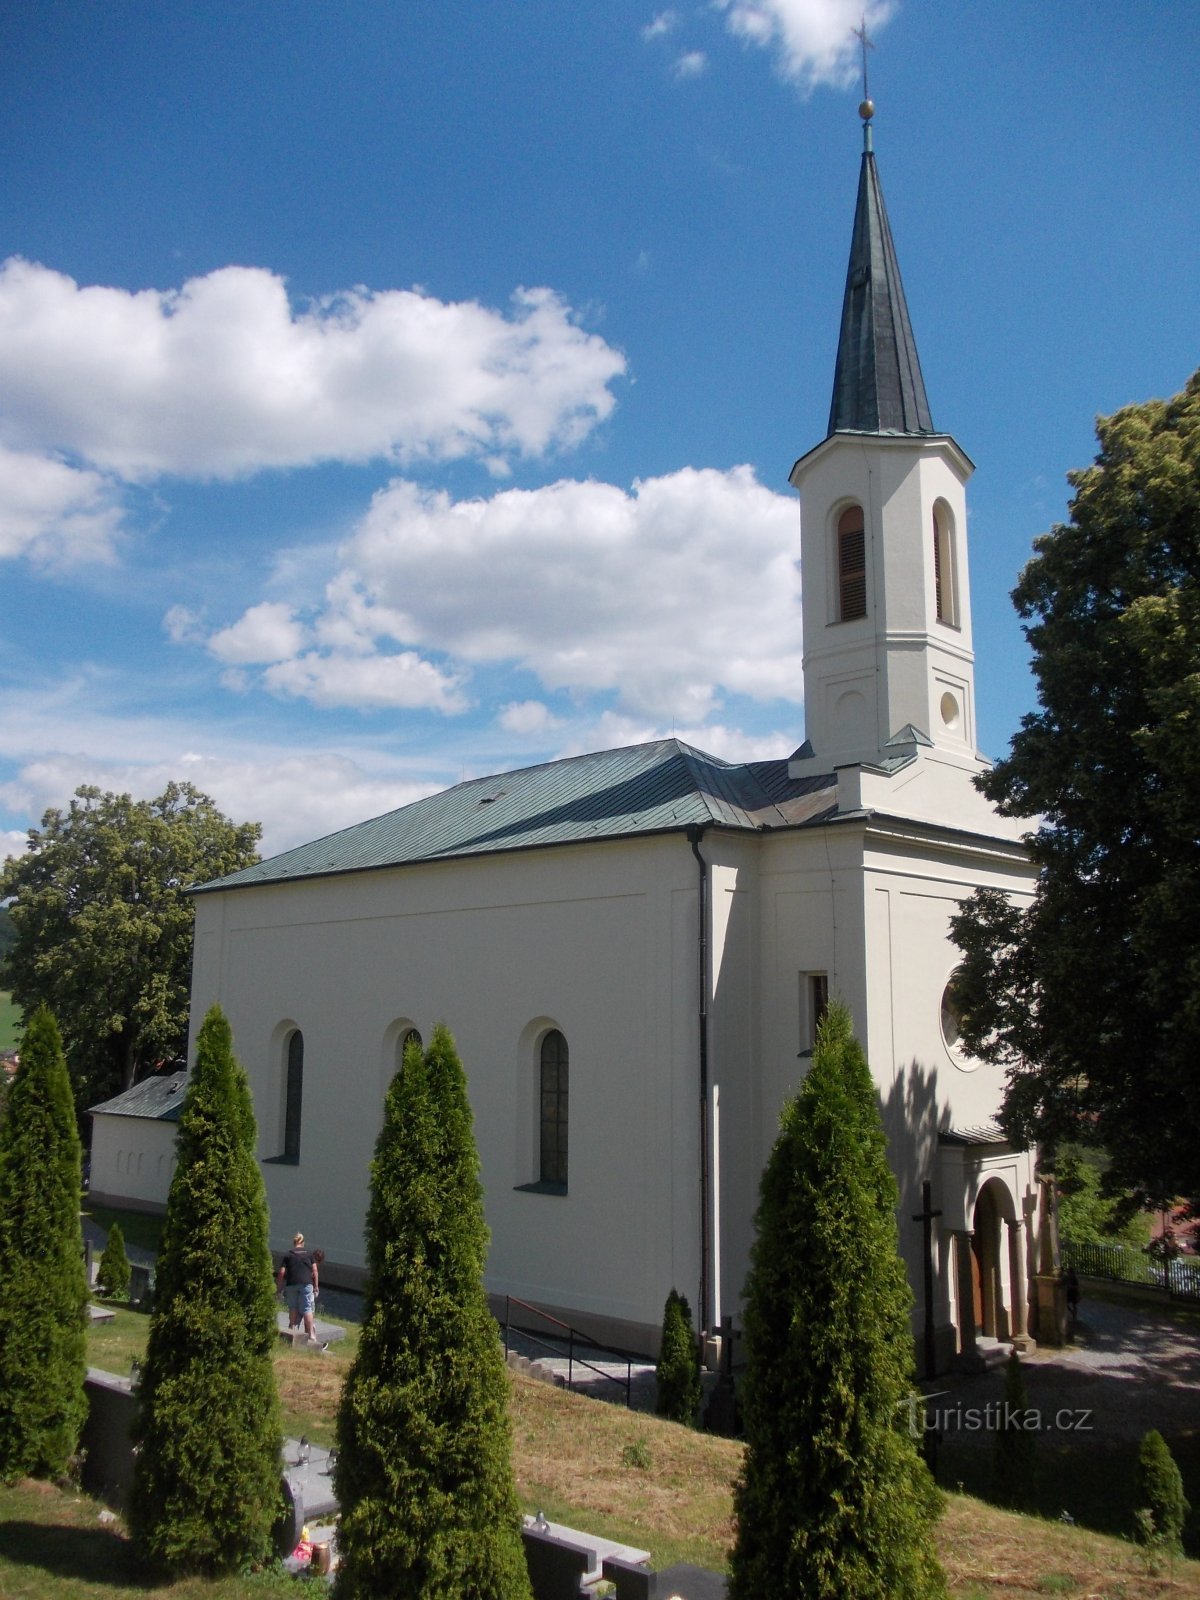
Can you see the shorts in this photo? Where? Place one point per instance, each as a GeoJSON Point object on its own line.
{"type": "Point", "coordinates": [300, 1297]}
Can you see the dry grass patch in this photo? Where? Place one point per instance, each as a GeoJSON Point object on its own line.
{"type": "Point", "coordinates": [576, 1459]}
{"type": "Point", "coordinates": [991, 1553]}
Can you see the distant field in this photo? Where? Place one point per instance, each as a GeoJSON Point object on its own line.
{"type": "Point", "coordinates": [10, 1021]}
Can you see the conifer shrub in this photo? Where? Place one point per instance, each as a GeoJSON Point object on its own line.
{"type": "Point", "coordinates": [677, 1374]}
{"type": "Point", "coordinates": [206, 1485]}
{"type": "Point", "coordinates": [43, 1285]}
{"type": "Point", "coordinates": [1159, 1503]}
{"type": "Point", "coordinates": [113, 1273]}
{"type": "Point", "coordinates": [424, 1474]}
{"type": "Point", "coordinates": [1014, 1459]}
{"type": "Point", "coordinates": [834, 1501]}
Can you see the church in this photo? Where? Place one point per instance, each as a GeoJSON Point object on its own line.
{"type": "Point", "coordinates": [633, 948]}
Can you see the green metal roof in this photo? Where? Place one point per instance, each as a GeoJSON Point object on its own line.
{"type": "Point", "coordinates": [662, 787]}
{"type": "Point", "coordinates": [160, 1098]}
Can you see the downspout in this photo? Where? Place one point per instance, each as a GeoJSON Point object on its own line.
{"type": "Point", "coordinates": [694, 835]}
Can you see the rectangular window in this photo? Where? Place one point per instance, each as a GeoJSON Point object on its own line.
{"type": "Point", "coordinates": [814, 1001]}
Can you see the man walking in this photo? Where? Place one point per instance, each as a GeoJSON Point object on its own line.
{"type": "Point", "coordinates": [297, 1280]}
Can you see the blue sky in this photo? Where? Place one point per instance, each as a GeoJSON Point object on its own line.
{"type": "Point", "coordinates": [397, 393]}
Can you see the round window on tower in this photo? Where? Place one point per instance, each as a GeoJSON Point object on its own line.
{"type": "Point", "coordinates": [951, 715]}
{"type": "Point", "coordinates": [952, 1021]}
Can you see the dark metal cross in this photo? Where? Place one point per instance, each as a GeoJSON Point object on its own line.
{"type": "Point", "coordinates": [926, 1217]}
{"type": "Point", "coordinates": [864, 39]}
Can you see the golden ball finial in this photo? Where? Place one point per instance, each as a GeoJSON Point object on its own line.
{"type": "Point", "coordinates": [867, 110]}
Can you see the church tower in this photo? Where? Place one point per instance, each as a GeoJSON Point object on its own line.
{"type": "Point", "coordinates": [888, 662]}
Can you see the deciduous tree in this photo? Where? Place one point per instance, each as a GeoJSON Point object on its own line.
{"type": "Point", "coordinates": [834, 1501]}
{"type": "Point", "coordinates": [424, 1473]}
{"type": "Point", "coordinates": [104, 924]}
{"type": "Point", "coordinates": [1090, 995]}
{"type": "Point", "coordinates": [43, 1289]}
{"type": "Point", "coordinates": [206, 1486]}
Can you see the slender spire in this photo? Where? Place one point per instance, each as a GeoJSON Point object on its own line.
{"type": "Point", "coordinates": [877, 383]}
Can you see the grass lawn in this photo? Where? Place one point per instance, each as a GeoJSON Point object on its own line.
{"type": "Point", "coordinates": [10, 1022]}
{"type": "Point", "coordinates": [573, 1460]}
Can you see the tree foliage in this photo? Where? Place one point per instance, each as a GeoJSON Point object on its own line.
{"type": "Point", "coordinates": [1086, 1215]}
{"type": "Point", "coordinates": [424, 1475]}
{"type": "Point", "coordinates": [677, 1375]}
{"type": "Point", "coordinates": [1160, 1506]}
{"type": "Point", "coordinates": [43, 1287]}
{"type": "Point", "coordinates": [833, 1500]}
{"type": "Point", "coordinates": [104, 924]}
{"type": "Point", "coordinates": [113, 1273]}
{"type": "Point", "coordinates": [207, 1477]}
{"type": "Point", "coordinates": [1090, 995]}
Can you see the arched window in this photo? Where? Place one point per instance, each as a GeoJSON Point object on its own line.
{"type": "Point", "coordinates": [945, 585]}
{"type": "Point", "coordinates": [851, 564]}
{"type": "Point", "coordinates": [293, 1096]}
{"type": "Point", "coordinates": [407, 1037]}
{"type": "Point", "coordinates": [553, 1108]}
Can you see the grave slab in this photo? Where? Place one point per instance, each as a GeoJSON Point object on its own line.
{"type": "Point", "coordinates": [604, 1548]}
{"type": "Point", "coordinates": [323, 1332]}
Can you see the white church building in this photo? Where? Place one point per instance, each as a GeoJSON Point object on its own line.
{"type": "Point", "coordinates": [632, 948]}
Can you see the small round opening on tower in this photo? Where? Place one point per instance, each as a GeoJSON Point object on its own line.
{"type": "Point", "coordinates": [951, 715]}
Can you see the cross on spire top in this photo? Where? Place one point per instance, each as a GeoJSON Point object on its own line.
{"type": "Point", "coordinates": [867, 43]}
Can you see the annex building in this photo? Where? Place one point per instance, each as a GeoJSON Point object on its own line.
{"type": "Point", "coordinates": [633, 948]}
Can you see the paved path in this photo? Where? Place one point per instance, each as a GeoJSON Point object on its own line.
{"type": "Point", "coordinates": [1134, 1366]}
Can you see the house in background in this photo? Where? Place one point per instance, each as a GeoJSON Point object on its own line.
{"type": "Point", "coordinates": [133, 1144]}
{"type": "Point", "coordinates": [633, 948]}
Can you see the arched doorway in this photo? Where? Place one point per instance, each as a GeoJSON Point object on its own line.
{"type": "Point", "coordinates": [990, 1275]}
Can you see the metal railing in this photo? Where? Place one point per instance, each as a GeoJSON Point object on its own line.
{"type": "Point", "coordinates": [1178, 1277]}
{"type": "Point", "coordinates": [571, 1338]}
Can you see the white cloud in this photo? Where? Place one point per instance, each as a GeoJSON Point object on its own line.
{"type": "Point", "coordinates": [690, 64]}
{"type": "Point", "coordinates": [524, 717]}
{"type": "Point", "coordinates": [53, 513]}
{"type": "Point", "coordinates": [297, 794]}
{"type": "Point", "coordinates": [13, 842]}
{"type": "Point", "coordinates": [404, 681]}
{"type": "Point", "coordinates": [663, 23]}
{"type": "Point", "coordinates": [223, 376]}
{"type": "Point", "coordinates": [612, 731]}
{"type": "Point", "coordinates": [267, 632]}
{"type": "Point", "coordinates": [812, 40]}
{"type": "Point", "coordinates": [669, 596]}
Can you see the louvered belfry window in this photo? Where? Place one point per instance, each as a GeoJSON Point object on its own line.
{"type": "Point", "coordinates": [941, 610]}
{"type": "Point", "coordinates": [852, 564]}
{"type": "Point", "coordinates": [554, 1104]}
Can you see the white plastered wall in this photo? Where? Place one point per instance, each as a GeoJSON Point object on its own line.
{"type": "Point", "coordinates": [132, 1160]}
{"type": "Point", "coordinates": [599, 941]}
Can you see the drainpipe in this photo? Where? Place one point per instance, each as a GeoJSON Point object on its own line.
{"type": "Point", "coordinates": [694, 835]}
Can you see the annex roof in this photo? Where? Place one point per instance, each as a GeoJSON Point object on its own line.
{"type": "Point", "coordinates": [661, 787]}
{"type": "Point", "coordinates": [160, 1098]}
{"type": "Point", "coordinates": [877, 382]}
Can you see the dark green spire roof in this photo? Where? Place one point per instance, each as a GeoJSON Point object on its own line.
{"type": "Point", "coordinates": [877, 384]}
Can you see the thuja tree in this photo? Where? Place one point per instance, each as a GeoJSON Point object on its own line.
{"type": "Point", "coordinates": [207, 1478]}
{"type": "Point", "coordinates": [1014, 1462]}
{"type": "Point", "coordinates": [43, 1287]}
{"type": "Point", "coordinates": [114, 1274]}
{"type": "Point", "coordinates": [424, 1473]}
{"type": "Point", "coordinates": [677, 1374]}
{"type": "Point", "coordinates": [833, 1499]}
{"type": "Point", "coordinates": [1160, 1506]}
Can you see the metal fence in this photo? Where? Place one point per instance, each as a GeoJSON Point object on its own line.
{"type": "Point", "coordinates": [1179, 1277]}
